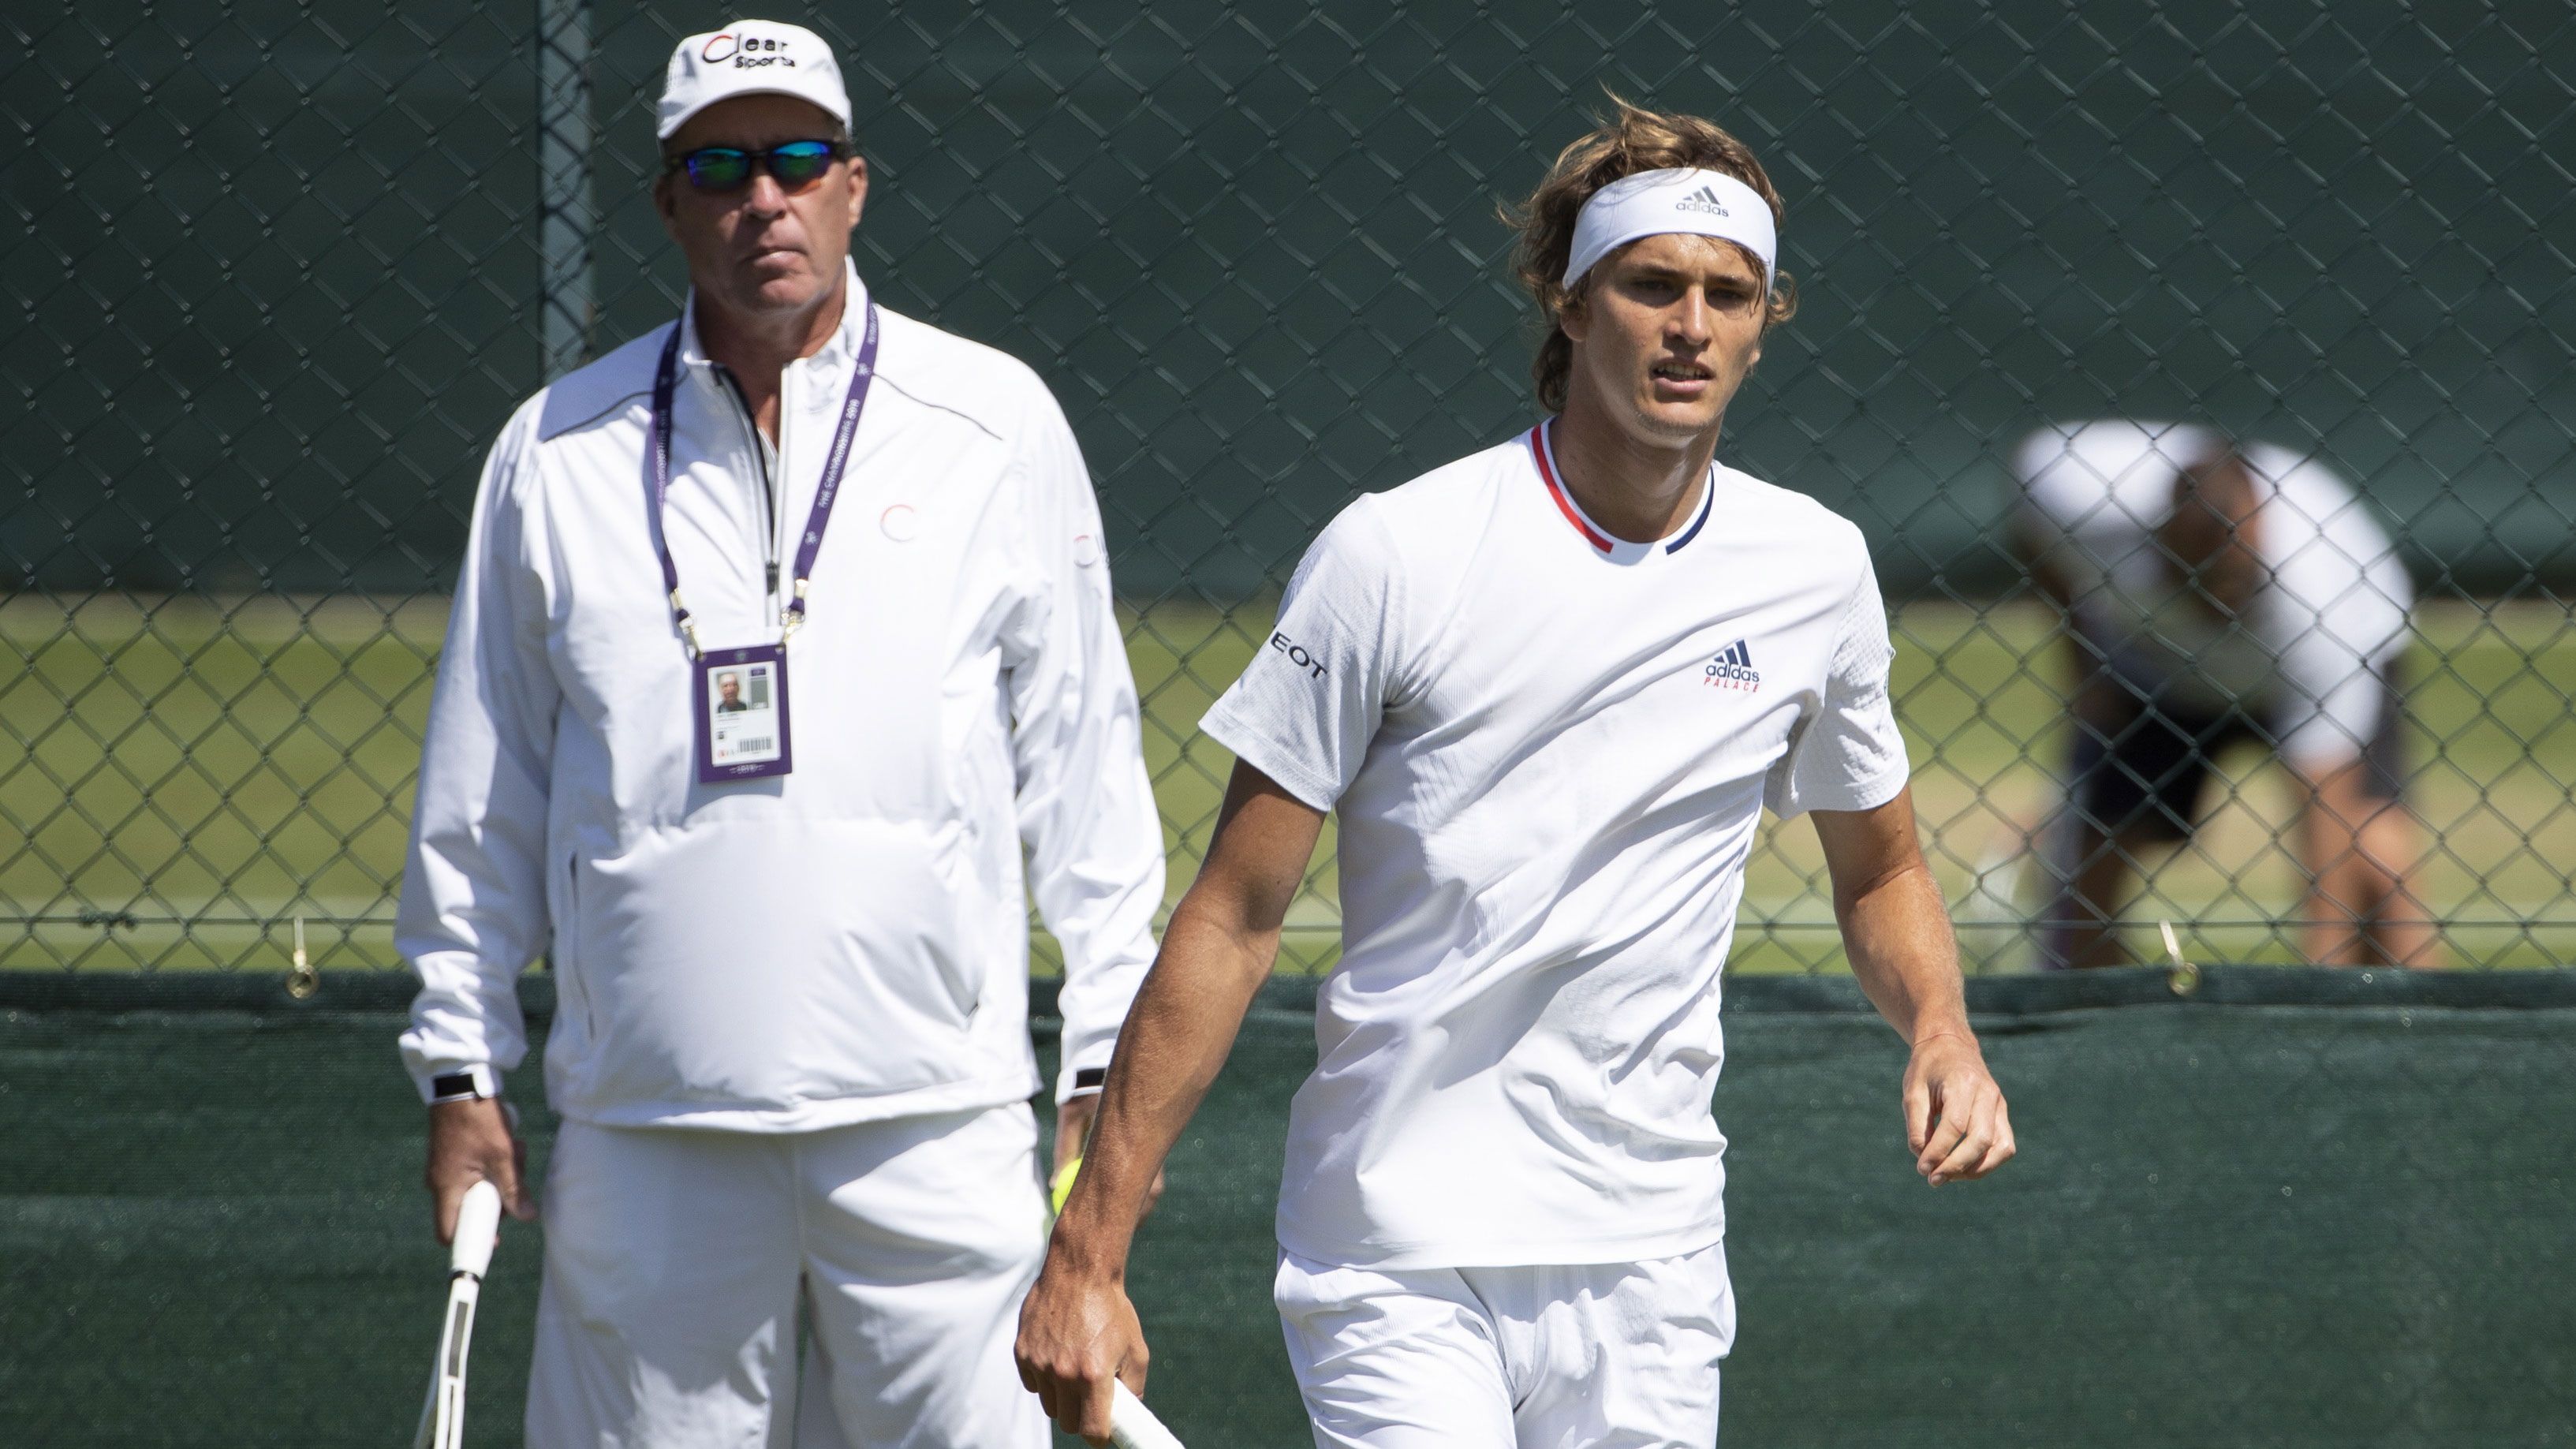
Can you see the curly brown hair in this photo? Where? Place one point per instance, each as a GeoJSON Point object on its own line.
{"type": "Point", "coordinates": [1634, 140]}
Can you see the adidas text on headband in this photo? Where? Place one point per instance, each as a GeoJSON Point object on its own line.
{"type": "Point", "coordinates": [1652, 203]}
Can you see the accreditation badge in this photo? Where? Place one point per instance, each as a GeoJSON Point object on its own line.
{"type": "Point", "coordinates": [742, 714]}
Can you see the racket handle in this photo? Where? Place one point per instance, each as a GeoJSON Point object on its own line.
{"type": "Point", "coordinates": [478, 1227]}
{"type": "Point", "coordinates": [1132, 1425]}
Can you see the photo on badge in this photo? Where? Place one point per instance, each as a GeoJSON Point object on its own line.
{"type": "Point", "coordinates": [742, 714]}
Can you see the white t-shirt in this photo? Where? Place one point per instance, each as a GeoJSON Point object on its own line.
{"type": "Point", "coordinates": [1550, 751]}
{"type": "Point", "coordinates": [2308, 657]}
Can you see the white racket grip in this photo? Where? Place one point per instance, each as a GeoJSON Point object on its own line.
{"type": "Point", "coordinates": [478, 1227]}
{"type": "Point", "coordinates": [1132, 1425]}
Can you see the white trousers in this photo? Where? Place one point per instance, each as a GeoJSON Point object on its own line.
{"type": "Point", "coordinates": [677, 1262]}
{"type": "Point", "coordinates": [1601, 1356]}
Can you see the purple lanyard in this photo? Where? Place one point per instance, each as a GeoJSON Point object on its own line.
{"type": "Point", "coordinates": [657, 485]}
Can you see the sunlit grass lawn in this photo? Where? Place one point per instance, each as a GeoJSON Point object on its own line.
{"type": "Point", "coordinates": [184, 777]}
{"type": "Point", "coordinates": [1980, 696]}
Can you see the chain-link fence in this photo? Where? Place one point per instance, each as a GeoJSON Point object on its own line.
{"type": "Point", "coordinates": [282, 269]}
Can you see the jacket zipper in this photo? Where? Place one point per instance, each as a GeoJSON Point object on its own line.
{"type": "Point", "coordinates": [760, 463]}
{"type": "Point", "coordinates": [566, 976]}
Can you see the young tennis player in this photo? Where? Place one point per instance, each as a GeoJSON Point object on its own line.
{"type": "Point", "coordinates": [1549, 688]}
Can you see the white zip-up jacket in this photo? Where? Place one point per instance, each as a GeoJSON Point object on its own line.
{"type": "Point", "coordinates": [848, 942]}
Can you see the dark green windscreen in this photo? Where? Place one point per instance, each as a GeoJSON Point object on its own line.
{"type": "Point", "coordinates": [2301, 1209]}
{"type": "Point", "coordinates": [277, 279]}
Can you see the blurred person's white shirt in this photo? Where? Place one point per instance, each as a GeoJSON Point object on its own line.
{"type": "Point", "coordinates": [846, 943]}
{"type": "Point", "coordinates": [2310, 658]}
{"type": "Point", "coordinates": [1549, 751]}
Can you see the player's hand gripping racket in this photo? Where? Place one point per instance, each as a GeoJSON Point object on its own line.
{"type": "Point", "coordinates": [478, 1226]}
{"type": "Point", "coordinates": [1132, 1425]}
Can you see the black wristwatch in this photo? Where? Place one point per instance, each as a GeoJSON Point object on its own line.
{"type": "Point", "coordinates": [466, 1084]}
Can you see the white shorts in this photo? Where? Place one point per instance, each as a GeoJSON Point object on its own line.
{"type": "Point", "coordinates": [677, 1262]}
{"type": "Point", "coordinates": [1604, 1356]}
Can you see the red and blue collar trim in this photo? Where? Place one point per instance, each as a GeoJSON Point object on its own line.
{"type": "Point", "coordinates": [1542, 446]}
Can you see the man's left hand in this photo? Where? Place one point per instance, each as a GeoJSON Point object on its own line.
{"type": "Point", "coordinates": [1073, 1128]}
{"type": "Point", "coordinates": [1955, 1118]}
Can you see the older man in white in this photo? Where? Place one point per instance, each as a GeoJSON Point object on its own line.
{"type": "Point", "coordinates": [789, 941]}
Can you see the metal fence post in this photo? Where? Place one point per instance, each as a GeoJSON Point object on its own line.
{"type": "Point", "coordinates": [565, 220]}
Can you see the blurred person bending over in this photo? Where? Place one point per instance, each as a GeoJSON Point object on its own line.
{"type": "Point", "coordinates": [1549, 688]}
{"type": "Point", "coordinates": [785, 907]}
{"type": "Point", "coordinates": [2213, 596]}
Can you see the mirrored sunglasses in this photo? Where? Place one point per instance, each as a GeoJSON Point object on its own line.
{"type": "Point", "coordinates": [795, 165]}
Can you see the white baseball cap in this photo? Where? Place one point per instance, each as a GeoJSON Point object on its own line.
{"type": "Point", "coordinates": [750, 58]}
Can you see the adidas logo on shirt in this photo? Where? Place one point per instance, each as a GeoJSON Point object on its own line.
{"type": "Point", "coordinates": [1704, 199]}
{"type": "Point", "coordinates": [1733, 669]}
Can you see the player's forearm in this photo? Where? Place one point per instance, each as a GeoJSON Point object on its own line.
{"type": "Point", "coordinates": [1897, 933]}
{"type": "Point", "coordinates": [1175, 1039]}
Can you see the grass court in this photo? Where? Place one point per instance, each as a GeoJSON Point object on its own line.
{"type": "Point", "coordinates": [191, 774]}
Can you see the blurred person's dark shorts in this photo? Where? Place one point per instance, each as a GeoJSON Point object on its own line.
{"type": "Point", "coordinates": [2146, 768]}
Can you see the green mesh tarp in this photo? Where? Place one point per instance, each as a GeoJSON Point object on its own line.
{"type": "Point", "coordinates": [2292, 1208]}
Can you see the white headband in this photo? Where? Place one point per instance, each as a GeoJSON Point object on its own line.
{"type": "Point", "coordinates": [1651, 203]}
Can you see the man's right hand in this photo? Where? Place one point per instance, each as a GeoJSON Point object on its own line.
{"type": "Point", "coordinates": [471, 1142]}
{"type": "Point", "coordinates": [1077, 1333]}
